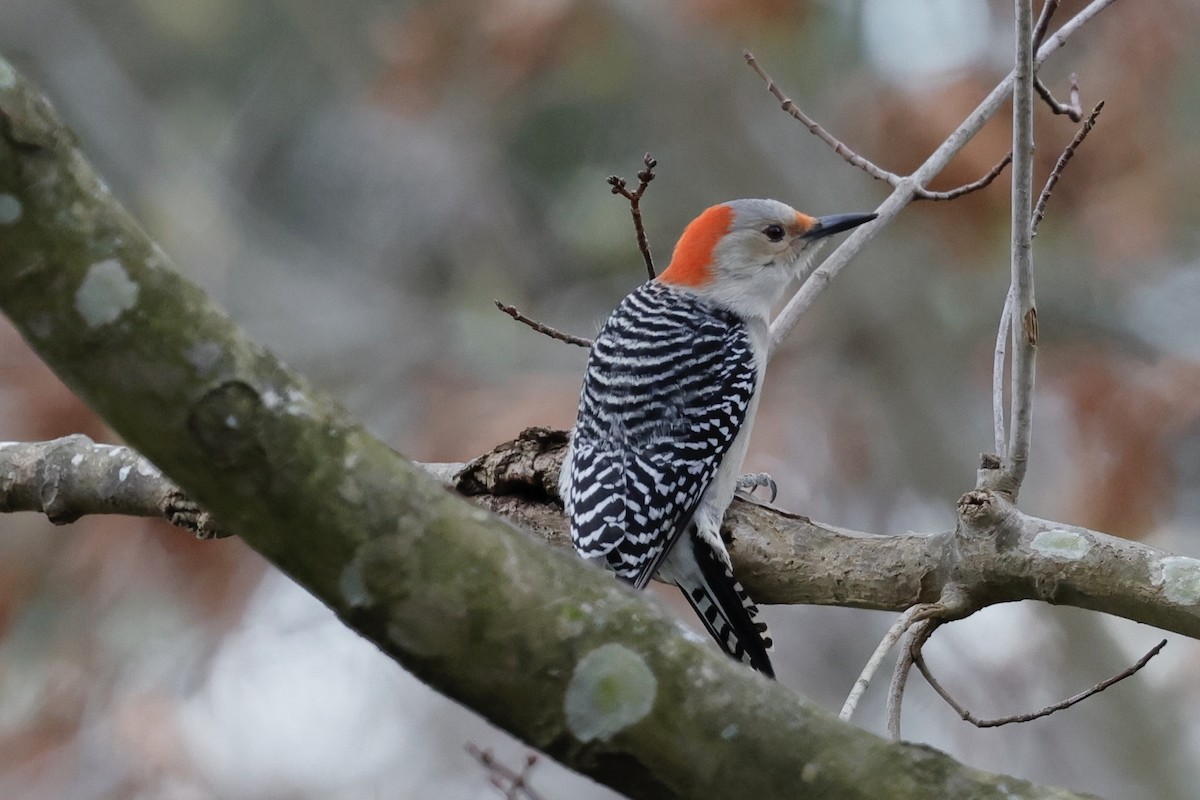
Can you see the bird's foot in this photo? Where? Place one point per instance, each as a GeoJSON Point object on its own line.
{"type": "Point", "coordinates": [746, 484]}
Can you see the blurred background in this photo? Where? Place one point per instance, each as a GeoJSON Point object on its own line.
{"type": "Point", "coordinates": [355, 182]}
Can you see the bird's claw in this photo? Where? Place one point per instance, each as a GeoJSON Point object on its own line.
{"type": "Point", "coordinates": [746, 484]}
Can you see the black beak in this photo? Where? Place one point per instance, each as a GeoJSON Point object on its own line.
{"type": "Point", "coordinates": [837, 223]}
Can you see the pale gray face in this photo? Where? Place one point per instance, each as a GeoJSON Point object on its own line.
{"type": "Point", "coordinates": [742, 254]}
{"type": "Point", "coordinates": [767, 233]}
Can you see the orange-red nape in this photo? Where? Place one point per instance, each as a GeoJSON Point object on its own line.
{"type": "Point", "coordinates": [691, 264]}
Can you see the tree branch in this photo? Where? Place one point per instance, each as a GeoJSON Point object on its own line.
{"type": "Point", "coordinates": [998, 551]}
{"type": "Point", "coordinates": [543, 328]}
{"type": "Point", "coordinates": [547, 648]}
{"type": "Point", "coordinates": [902, 194]}
{"type": "Point", "coordinates": [967, 716]}
{"type": "Point", "coordinates": [1024, 312]}
{"type": "Point", "coordinates": [1068, 153]}
{"type": "Point", "coordinates": [919, 192]}
{"type": "Point", "coordinates": [70, 477]}
{"type": "Point", "coordinates": [635, 206]}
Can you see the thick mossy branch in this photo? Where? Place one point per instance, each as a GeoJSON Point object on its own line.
{"type": "Point", "coordinates": [550, 650]}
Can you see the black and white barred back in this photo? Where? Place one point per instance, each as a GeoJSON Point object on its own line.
{"type": "Point", "coordinates": [668, 386]}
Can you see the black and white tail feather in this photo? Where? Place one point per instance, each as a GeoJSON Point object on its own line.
{"type": "Point", "coordinates": [718, 598]}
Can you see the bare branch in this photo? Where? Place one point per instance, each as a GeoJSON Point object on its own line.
{"type": "Point", "coordinates": [1039, 30]}
{"type": "Point", "coordinates": [635, 205]}
{"type": "Point", "coordinates": [1045, 712]}
{"type": "Point", "coordinates": [519, 480]}
{"type": "Point", "coordinates": [1040, 211]}
{"type": "Point", "coordinates": [902, 193]}
{"type": "Point", "coordinates": [898, 629]}
{"type": "Point", "coordinates": [70, 477]}
{"type": "Point", "coordinates": [916, 637]}
{"type": "Point", "coordinates": [1073, 110]}
{"type": "Point", "coordinates": [542, 328]}
{"type": "Point", "coordinates": [998, 361]}
{"type": "Point", "coordinates": [967, 188]}
{"type": "Point", "coordinates": [1024, 353]}
{"type": "Point", "coordinates": [851, 157]}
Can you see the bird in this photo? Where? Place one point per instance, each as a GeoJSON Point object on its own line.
{"type": "Point", "coordinates": [669, 395]}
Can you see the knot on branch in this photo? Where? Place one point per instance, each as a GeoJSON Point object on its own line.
{"type": "Point", "coordinates": [984, 512]}
{"type": "Point", "coordinates": [182, 512]}
{"type": "Point", "coordinates": [527, 466]}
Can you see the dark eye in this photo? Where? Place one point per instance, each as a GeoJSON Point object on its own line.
{"type": "Point", "coordinates": [774, 232]}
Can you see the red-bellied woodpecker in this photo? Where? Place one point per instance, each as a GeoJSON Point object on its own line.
{"type": "Point", "coordinates": [668, 400]}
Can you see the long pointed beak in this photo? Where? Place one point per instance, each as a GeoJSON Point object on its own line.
{"type": "Point", "coordinates": [836, 223]}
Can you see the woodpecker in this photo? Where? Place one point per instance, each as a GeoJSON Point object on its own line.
{"type": "Point", "coordinates": [668, 400]}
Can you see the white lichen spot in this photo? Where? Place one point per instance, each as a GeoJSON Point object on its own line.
{"type": "Point", "coordinates": [810, 772]}
{"type": "Point", "coordinates": [203, 356]}
{"type": "Point", "coordinates": [271, 399]}
{"type": "Point", "coordinates": [123, 472]}
{"type": "Point", "coordinates": [297, 403]}
{"type": "Point", "coordinates": [351, 460]}
{"type": "Point", "coordinates": [10, 209]}
{"type": "Point", "coordinates": [76, 459]}
{"type": "Point", "coordinates": [8, 75]}
{"type": "Point", "coordinates": [729, 731]}
{"type": "Point", "coordinates": [105, 293]}
{"type": "Point", "coordinates": [689, 632]}
{"type": "Point", "coordinates": [1062, 543]}
{"type": "Point", "coordinates": [350, 491]}
{"type": "Point", "coordinates": [353, 587]}
{"type": "Point", "coordinates": [232, 422]}
{"type": "Point", "coordinates": [611, 689]}
{"type": "Point", "coordinates": [1179, 577]}
{"type": "Point", "coordinates": [146, 469]}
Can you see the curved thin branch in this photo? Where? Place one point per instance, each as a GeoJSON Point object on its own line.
{"type": "Point", "coordinates": [967, 716]}
{"type": "Point", "coordinates": [1073, 110]}
{"type": "Point", "coordinates": [974, 186]}
{"type": "Point", "coordinates": [897, 630]}
{"type": "Point", "coordinates": [788, 105]}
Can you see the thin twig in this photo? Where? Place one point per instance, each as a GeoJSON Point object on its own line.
{"type": "Point", "coordinates": [635, 205]}
{"type": "Point", "coordinates": [1024, 353]}
{"type": "Point", "coordinates": [540, 327]}
{"type": "Point", "coordinates": [876, 172]}
{"type": "Point", "coordinates": [916, 637]}
{"type": "Point", "coordinates": [1039, 30]}
{"type": "Point", "coordinates": [974, 186]}
{"type": "Point", "coordinates": [898, 629]}
{"type": "Point", "coordinates": [851, 157]}
{"type": "Point", "coordinates": [1040, 210]}
{"type": "Point", "coordinates": [1073, 109]}
{"type": "Point", "coordinates": [514, 784]}
{"type": "Point", "coordinates": [1045, 712]}
{"type": "Point", "coordinates": [902, 194]}
{"type": "Point", "coordinates": [998, 361]}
